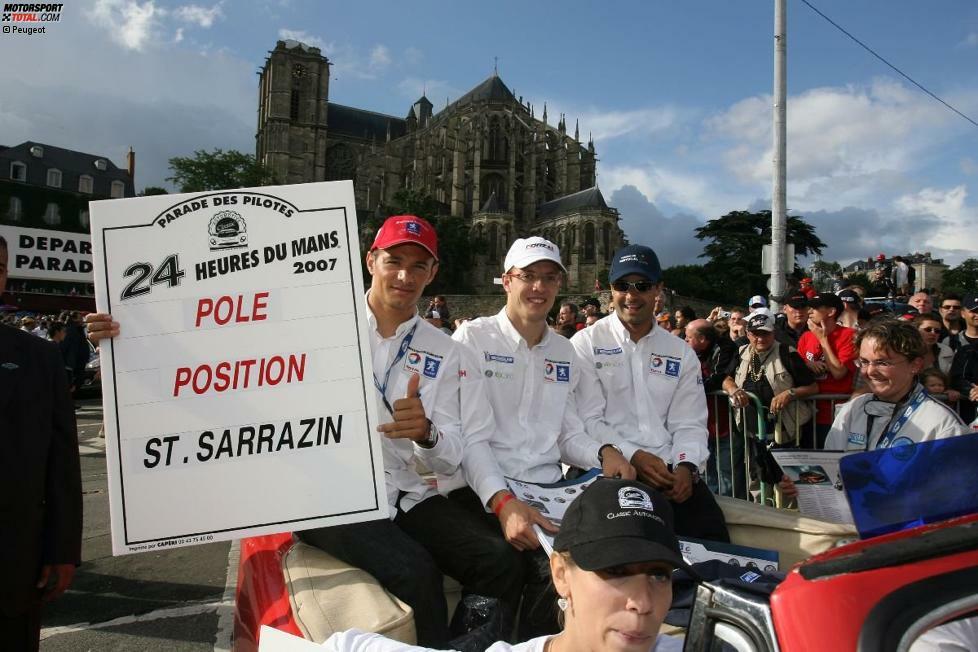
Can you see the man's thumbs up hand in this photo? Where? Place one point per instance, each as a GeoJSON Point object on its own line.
{"type": "Point", "coordinates": [409, 421]}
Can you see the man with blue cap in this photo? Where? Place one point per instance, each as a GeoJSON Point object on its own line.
{"type": "Point", "coordinates": [641, 387]}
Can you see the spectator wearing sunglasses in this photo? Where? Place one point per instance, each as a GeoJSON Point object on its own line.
{"type": "Point", "coordinates": [528, 373]}
{"type": "Point", "coordinates": [936, 353]}
{"type": "Point", "coordinates": [643, 386]}
{"type": "Point", "coordinates": [954, 324]}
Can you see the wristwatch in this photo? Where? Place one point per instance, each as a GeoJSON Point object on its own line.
{"type": "Point", "coordinates": [601, 455]}
{"type": "Point", "coordinates": [791, 392]}
{"type": "Point", "coordinates": [431, 439]}
{"type": "Point", "coordinates": [694, 471]}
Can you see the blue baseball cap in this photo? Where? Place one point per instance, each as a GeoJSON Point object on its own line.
{"type": "Point", "coordinates": [635, 259]}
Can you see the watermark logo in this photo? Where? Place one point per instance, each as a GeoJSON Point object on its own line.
{"type": "Point", "coordinates": [23, 18]}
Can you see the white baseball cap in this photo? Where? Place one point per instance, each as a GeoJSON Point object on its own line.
{"type": "Point", "coordinates": [526, 251]}
{"type": "Point", "coordinates": [757, 300]}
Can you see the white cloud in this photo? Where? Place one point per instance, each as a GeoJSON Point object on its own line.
{"type": "Point", "coordinates": [661, 185]}
{"type": "Point", "coordinates": [302, 37]}
{"type": "Point", "coordinates": [881, 134]}
{"type": "Point", "coordinates": [178, 35]}
{"type": "Point", "coordinates": [380, 57]}
{"type": "Point", "coordinates": [201, 16]}
{"type": "Point", "coordinates": [129, 23]}
{"type": "Point", "coordinates": [607, 125]}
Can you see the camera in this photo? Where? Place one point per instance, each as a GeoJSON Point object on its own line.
{"type": "Point", "coordinates": [724, 314]}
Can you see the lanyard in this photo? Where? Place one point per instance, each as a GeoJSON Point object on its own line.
{"type": "Point", "coordinates": [893, 427]}
{"type": "Point", "coordinates": [405, 343]}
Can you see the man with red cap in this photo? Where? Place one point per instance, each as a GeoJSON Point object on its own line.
{"type": "Point", "coordinates": [417, 382]}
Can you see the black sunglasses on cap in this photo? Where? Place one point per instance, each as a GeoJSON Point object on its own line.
{"type": "Point", "coordinates": [639, 286]}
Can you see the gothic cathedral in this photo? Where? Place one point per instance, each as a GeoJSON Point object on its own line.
{"type": "Point", "coordinates": [485, 158]}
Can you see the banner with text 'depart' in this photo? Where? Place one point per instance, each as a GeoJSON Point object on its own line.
{"type": "Point", "coordinates": [236, 394]}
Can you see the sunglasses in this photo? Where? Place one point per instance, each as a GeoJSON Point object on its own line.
{"type": "Point", "coordinates": [957, 307]}
{"type": "Point", "coordinates": [639, 286]}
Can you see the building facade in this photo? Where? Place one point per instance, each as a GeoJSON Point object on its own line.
{"type": "Point", "coordinates": [44, 196]}
{"type": "Point", "coordinates": [484, 158]}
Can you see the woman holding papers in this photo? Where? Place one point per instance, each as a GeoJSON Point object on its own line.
{"type": "Point", "coordinates": [614, 556]}
{"type": "Point", "coordinates": [897, 411]}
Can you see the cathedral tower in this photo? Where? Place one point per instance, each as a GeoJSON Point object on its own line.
{"type": "Point", "coordinates": [293, 90]}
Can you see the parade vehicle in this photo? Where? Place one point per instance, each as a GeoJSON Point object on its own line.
{"type": "Point", "coordinates": [879, 594]}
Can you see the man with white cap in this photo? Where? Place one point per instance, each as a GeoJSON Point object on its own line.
{"type": "Point", "coordinates": [529, 375]}
{"type": "Point", "coordinates": [756, 301]}
{"type": "Point", "coordinates": [643, 388]}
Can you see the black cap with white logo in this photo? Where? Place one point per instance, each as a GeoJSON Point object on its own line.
{"type": "Point", "coordinates": [618, 522]}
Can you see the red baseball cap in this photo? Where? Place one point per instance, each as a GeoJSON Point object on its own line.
{"type": "Point", "coordinates": [406, 229]}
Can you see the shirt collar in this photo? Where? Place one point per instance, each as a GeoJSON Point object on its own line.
{"type": "Point", "coordinates": [401, 328]}
{"type": "Point", "coordinates": [622, 333]}
{"type": "Point", "coordinates": [513, 336]}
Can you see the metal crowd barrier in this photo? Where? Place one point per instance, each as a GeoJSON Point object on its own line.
{"type": "Point", "coordinates": [731, 471]}
{"type": "Point", "coordinates": [731, 468]}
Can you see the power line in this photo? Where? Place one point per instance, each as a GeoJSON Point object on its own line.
{"type": "Point", "coordinates": [900, 72]}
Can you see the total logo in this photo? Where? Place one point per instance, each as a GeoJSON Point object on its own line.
{"type": "Point", "coordinates": [499, 375]}
{"type": "Point", "coordinates": [414, 357]}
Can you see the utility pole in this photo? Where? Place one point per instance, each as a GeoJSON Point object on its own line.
{"type": "Point", "coordinates": [779, 220]}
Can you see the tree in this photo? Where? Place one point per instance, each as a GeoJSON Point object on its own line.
{"type": "Point", "coordinates": [692, 281]}
{"type": "Point", "coordinates": [734, 251]}
{"type": "Point", "coordinates": [218, 170]}
{"type": "Point", "coordinates": [962, 279]}
{"type": "Point", "coordinates": [153, 190]}
{"type": "Point", "coordinates": [823, 271]}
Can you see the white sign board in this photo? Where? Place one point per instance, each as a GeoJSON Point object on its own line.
{"type": "Point", "coordinates": [235, 396]}
{"type": "Point", "coordinates": [48, 255]}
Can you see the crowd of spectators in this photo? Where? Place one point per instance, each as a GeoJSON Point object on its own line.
{"type": "Point", "coordinates": [64, 329]}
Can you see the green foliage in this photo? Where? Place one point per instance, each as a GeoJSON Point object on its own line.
{"type": "Point", "coordinates": [153, 190]}
{"type": "Point", "coordinates": [962, 279]}
{"type": "Point", "coordinates": [733, 248]}
{"type": "Point", "coordinates": [692, 281]}
{"type": "Point", "coordinates": [217, 170]}
{"type": "Point", "coordinates": [823, 272]}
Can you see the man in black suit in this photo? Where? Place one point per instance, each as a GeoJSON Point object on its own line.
{"type": "Point", "coordinates": [40, 481]}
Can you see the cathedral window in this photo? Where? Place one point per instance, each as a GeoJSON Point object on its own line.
{"type": "Point", "coordinates": [589, 242]}
{"type": "Point", "coordinates": [606, 241]}
{"type": "Point", "coordinates": [294, 105]}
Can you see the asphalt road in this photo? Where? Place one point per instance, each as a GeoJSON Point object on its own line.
{"type": "Point", "coordinates": [177, 599]}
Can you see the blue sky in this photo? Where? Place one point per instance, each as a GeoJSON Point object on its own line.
{"type": "Point", "coordinates": [677, 96]}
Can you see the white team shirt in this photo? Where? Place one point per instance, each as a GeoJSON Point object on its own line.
{"type": "Point", "coordinates": [434, 357]}
{"type": "Point", "coordinates": [355, 640]}
{"type": "Point", "coordinates": [931, 420]}
{"type": "Point", "coordinates": [649, 393]}
{"type": "Point", "coordinates": [530, 394]}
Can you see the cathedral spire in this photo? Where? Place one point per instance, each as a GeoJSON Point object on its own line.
{"type": "Point", "coordinates": [577, 133]}
{"type": "Point", "coordinates": [544, 114]}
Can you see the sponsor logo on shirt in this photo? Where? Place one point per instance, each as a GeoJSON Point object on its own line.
{"type": "Point", "coordinates": [614, 351]}
{"type": "Point", "coordinates": [664, 365]}
{"type": "Point", "coordinates": [494, 357]}
{"type": "Point", "coordinates": [609, 365]}
{"type": "Point", "coordinates": [500, 375]}
{"type": "Point", "coordinates": [422, 362]}
{"type": "Point", "coordinates": [750, 577]}
{"type": "Point", "coordinates": [555, 371]}
{"type": "Point", "coordinates": [857, 438]}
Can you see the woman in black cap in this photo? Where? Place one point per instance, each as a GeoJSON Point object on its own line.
{"type": "Point", "coordinates": [612, 565]}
